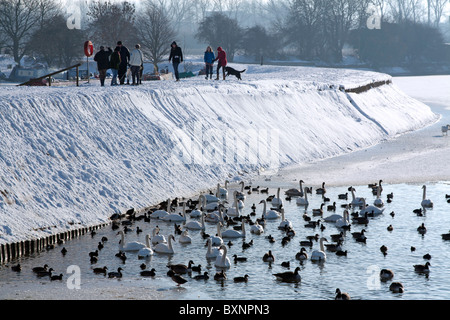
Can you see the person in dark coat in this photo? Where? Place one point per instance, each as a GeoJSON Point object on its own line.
{"type": "Point", "coordinates": [222, 57]}
{"type": "Point", "coordinates": [115, 63]}
{"type": "Point", "coordinates": [125, 58]}
{"type": "Point", "coordinates": [176, 55]}
{"type": "Point", "coordinates": [102, 59]}
{"type": "Point", "coordinates": [209, 62]}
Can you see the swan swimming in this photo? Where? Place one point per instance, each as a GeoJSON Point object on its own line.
{"type": "Point", "coordinates": [296, 192]}
{"type": "Point", "coordinates": [269, 215]}
{"type": "Point", "coordinates": [426, 203]}
{"type": "Point", "coordinates": [213, 252]}
{"type": "Point", "coordinates": [158, 214]}
{"type": "Point", "coordinates": [130, 246]}
{"type": "Point", "coordinates": [165, 248]}
{"type": "Point", "coordinates": [234, 233]}
{"type": "Point", "coordinates": [277, 201]}
{"type": "Point", "coordinates": [223, 261]}
{"type": "Point", "coordinates": [147, 251]}
{"type": "Point", "coordinates": [156, 237]}
{"type": "Point", "coordinates": [319, 255]}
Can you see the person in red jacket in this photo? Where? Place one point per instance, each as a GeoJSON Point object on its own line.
{"type": "Point", "coordinates": [222, 57]}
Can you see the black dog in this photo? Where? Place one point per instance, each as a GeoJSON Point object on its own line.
{"type": "Point", "coordinates": [234, 72]}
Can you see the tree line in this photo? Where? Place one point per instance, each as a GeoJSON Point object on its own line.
{"type": "Point", "coordinates": [305, 29]}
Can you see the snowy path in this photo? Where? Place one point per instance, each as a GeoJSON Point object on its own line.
{"type": "Point", "coordinates": [417, 157]}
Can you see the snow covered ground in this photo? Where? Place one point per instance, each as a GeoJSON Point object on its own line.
{"type": "Point", "coordinates": [74, 156]}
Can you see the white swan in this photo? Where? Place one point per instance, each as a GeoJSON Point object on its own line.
{"type": "Point", "coordinates": [378, 201]}
{"type": "Point", "coordinates": [257, 229]}
{"type": "Point", "coordinates": [284, 224]}
{"type": "Point", "coordinates": [319, 255]}
{"type": "Point", "coordinates": [165, 247]}
{"type": "Point", "coordinates": [216, 216]}
{"type": "Point", "coordinates": [175, 217]}
{"type": "Point", "coordinates": [269, 215]}
{"type": "Point", "coordinates": [370, 210]}
{"type": "Point", "coordinates": [156, 237]}
{"type": "Point", "coordinates": [234, 233]}
{"type": "Point", "coordinates": [277, 201]}
{"type": "Point", "coordinates": [130, 246]}
{"type": "Point", "coordinates": [234, 210]}
{"type": "Point", "coordinates": [217, 240]}
{"type": "Point", "coordinates": [147, 251]}
{"type": "Point", "coordinates": [158, 214]}
{"type": "Point", "coordinates": [195, 225]}
{"type": "Point", "coordinates": [344, 221]}
{"type": "Point", "coordinates": [213, 252]}
{"type": "Point", "coordinates": [356, 201]}
{"type": "Point", "coordinates": [303, 201]}
{"type": "Point", "coordinates": [223, 261]}
{"type": "Point", "coordinates": [185, 238]}
{"type": "Point", "coordinates": [196, 213]}
{"type": "Point", "coordinates": [208, 206]}
{"type": "Point", "coordinates": [426, 203]}
{"type": "Point", "coordinates": [240, 195]}
{"type": "Point", "coordinates": [222, 193]}
{"type": "Point", "coordinates": [295, 192]}
{"type": "Point", "coordinates": [333, 218]}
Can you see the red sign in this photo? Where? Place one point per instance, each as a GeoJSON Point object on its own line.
{"type": "Point", "coordinates": [88, 48]}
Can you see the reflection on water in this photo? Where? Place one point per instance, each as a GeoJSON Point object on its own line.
{"type": "Point", "coordinates": [356, 273]}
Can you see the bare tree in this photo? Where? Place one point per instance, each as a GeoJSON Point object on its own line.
{"type": "Point", "coordinates": [438, 7]}
{"type": "Point", "coordinates": [156, 33]}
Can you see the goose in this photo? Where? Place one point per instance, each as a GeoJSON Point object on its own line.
{"type": "Point", "coordinates": [359, 234]}
{"type": "Point", "coordinates": [289, 276]}
{"type": "Point", "coordinates": [396, 287]}
{"type": "Point", "coordinates": [159, 214]}
{"type": "Point", "coordinates": [296, 192]}
{"type": "Point", "coordinates": [93, 253]}
{"type": "Point", "coordinates": [165, 248]}
{"type": "Point", "coordinates": [234, 233]}
{"type": "Point", "coordinates": [341, 253]}
{"type": "Point", "coordinates": [422, 268]}
{"type": "Point", "coordinates": [268, 257]}
{"type": "Point", "coordinates": [148, 273]}
{"type": "Point", "coordinates": [213, 252]}
{"type": "Point", "coordinates": [146, 251]}
{"type": "Point", "coordinates": [256, 229]}
{"type": "Point", "coordinates": [356, 201]}
{"type": "Point", "coordinates": [370, 210]}
{"type": "Point", "coordinates": [130, 246]}
{"type": "Point", "coordinates": [284, 224]}
{"type": "Point", "coordinates": [337, 237]}
{"type": "Point", "coordinates": [47, 273]}
{"type": "Point", "coordinates": [117, 274]}
{"type": "Point", "coordinates": [195, 225]}
{"type": "Point", "coordinates": [277, 201]}
{"type": "Point", "coordinates": [306, 243]}
{"type": "Point", "coordinates": [40, 269]}
{"type": "Point", "coordinates": [341, 295]}
{"type": "Point", "coordinates": [156, 238]}
{"type": "Point", "coordinates": [100, 270]}
{"type": "Point", "coordinates": [378, 201]}
{"type": "Point", "coordinates": [321, 190]}
{"type": "Point", "coordinates": [332, 207]}
{"type": "Point", "coordinates": [204, 276]}
{"type": "Point", "coordinates": [319, 255]}
{"type": "Point", "coordinates": [223, 261]}
{"type": "Point", "coordinates": [303, 201]}
{"type": "Point", "coordinates": [241, 279]}
{"type": "Point", "coordinates": [301, 255]}
{"type": "Point", "coordinates": [343, 222]}
{"type": "Point", "coordinates": [185, 238]}
{"type": "Point", "coordinates": [343, 196]}
{"type": "Point", "coordinates": [426, 203]}
{"type": "Point", "coordinates": [333, 247]}
{"type": "Point", "coordinates": [318, 212]}
{"type": "Point", "coordinates": [386, 274]}
{"type": "Point", "coordinates": [269, 215]}
{"type": "Point", "coordinates": [361, 220]}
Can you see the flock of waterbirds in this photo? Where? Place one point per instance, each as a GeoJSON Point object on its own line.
{"type": "Point", "coordinates": [216, 208]}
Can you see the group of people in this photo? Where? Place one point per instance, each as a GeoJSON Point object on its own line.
{"type": "Point", "coordinates": [121, 58]}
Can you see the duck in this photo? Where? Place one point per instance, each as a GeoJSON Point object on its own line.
{"type": "Point", "coordinates": [241, 279]}
{"type": "Point", "coordinates": [16, 268]}
{"type": "Point", "coordinates": [445, 236]}
{"type": "Point", "coordinates": [56, 277]}
{"type": "Point", "coordinates": [156, 237]}
{"type": "Point", "coordinates": [343, 196]}
{"type": "Point", "coordinates": [301, 255]}
{"type": "Point", "coordinates": [130, 246]}
{"type": "Point", "coordinates": [289, 276]}
{"type": "Point", "coordinates": [269, 215]}
{"type": "Point", "coordinates": [269, 257]}
{"type": "Point", "coordinates": [386, 274]}
{"type": "Point", "coordinates": [341, 295]}
{"type": "Point", "coordinates": [239, 259]}
{"type": "Point", "coordinates": [341, 253]}
{"type": "Point", "coordinates": [165, 248]}
{"type": "Point", "coordinates": [426, 203]}
{"type": "Point", "coordinates": [100, 270]}
{"type": "Point", "coordinates": [40, 269]}
{"type": "Point", "coordinates": [396, 287]}
{"type": "Point", "coordinates": [148, 273]}
{"type": "Point", "coordinates": [117, 274]}
{"type": "Point", "coordinates": [422, 229]}
{"type": "Point", "coordinates": [181, 268]}
{"type": "Point", "coordinates": [64, 251]}
{"type": "Point", "coordinates": [333, 247]}
{"type": "Point", "coordinates": [319, 255]}
{"type": "Point", "coordinates": [223, 261]}
{"type": "Point", "coordinates": [332, 207]}
{"type": "Point", "coordinates": [185, 238]}
{"type": "Point", "coordinates": [306, 243]}
{"type": "Point", "coordinates": [179, 280]}
{"type": "Point", "coordinates": [337, 237]}
{"type": "Point", "coordinates": [47, 273]}
{"type": "Point", "coordinates": [422, 268]}
{"type": "Point", "coordinates": [286, 264]}
{"type": "Point", "coordinates": [147, 250]}
{"type": "Point", "coordinates": [390, 228]}
{"type": "Point", "coordinates": [361, 220]}
{"type": "Point", "coordinates": [204, 276]}
{"type": "Point", "coordinates": [384, 249]}
{"type": "Point", "coordinates": [220, 276]}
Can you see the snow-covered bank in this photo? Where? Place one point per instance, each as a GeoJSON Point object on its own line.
{"type": "Point", "coordinates": [74, 156]}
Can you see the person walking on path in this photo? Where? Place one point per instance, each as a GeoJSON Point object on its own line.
{"type": "Point", "coordinates": [209, 62]}
{"type": "Point", "coordinates": [124, 57]}
{"type": "Point", "coordinates": [115, 63]}
{"type": "Point", "coordinates": [176, 55]}
{"type": "Point", "coordinates": [222, 57]}
{"type": "Point", "coordinates": [103, 64]}
{"type": "Point", "coordinates": [136, 61]}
